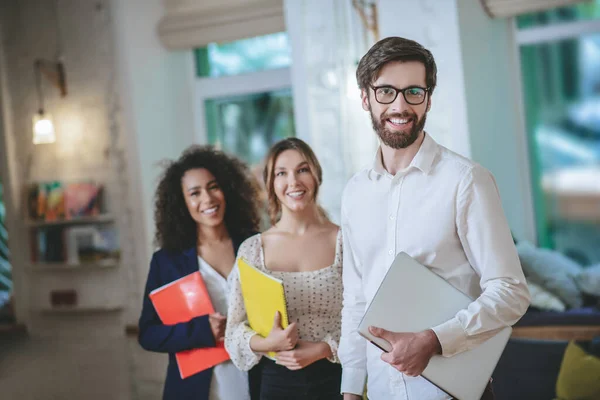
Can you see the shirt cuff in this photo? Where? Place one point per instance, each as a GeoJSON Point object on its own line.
{"type": "Point", "coordinates": [452, 337]}
{"type": "Point", "coordinates": [353, 380]}
{"type": "Point", "coordinates": [334, 348]}
{"type": "Point", "coordinates": [253, 358]}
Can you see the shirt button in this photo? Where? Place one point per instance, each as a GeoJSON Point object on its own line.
{"type": "Point", "coordinates": [390, 252]}
{"type": "Point", "coordinates": [392, 217]}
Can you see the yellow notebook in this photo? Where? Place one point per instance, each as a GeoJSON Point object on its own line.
{"type": "Point", "coordinates": [263, 296]}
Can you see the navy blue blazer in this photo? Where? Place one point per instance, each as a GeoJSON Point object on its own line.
{"type": "Point", "coordinates": [166, 267]}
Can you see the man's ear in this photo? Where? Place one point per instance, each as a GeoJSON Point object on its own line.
{"type": "Point", "coordinates": [428, 104]}
{"type": "Point", "coordinates": [364, 95]}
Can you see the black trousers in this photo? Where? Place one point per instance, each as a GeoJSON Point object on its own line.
{"type": "Point", "coordinates": [319, 381]}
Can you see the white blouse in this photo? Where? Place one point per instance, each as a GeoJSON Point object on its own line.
{"type": "Point", "coordinates": [314, 301]}
{"type": "Point", "coordinates": [227, 381]}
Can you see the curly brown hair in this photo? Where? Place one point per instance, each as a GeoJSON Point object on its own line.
{"type": "Point", "coordinates": [175, 229]}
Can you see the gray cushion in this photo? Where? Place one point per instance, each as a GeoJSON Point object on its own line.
{"type": "Point", "coordinates": [553, 271]}
{"type": "Point", "coordinates": [543, 299]}
{"type": "Point", "coordinates": [589, 280]}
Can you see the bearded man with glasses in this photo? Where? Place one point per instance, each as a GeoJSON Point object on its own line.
{"type": "Point", "coordinates": [442, 209]}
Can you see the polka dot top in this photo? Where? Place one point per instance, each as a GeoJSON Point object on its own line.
{"type": "Point", "coordinates": [314, 301]}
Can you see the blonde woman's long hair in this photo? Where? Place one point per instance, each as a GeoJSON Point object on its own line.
{"type": "Point", "coordinates": [274, 205]}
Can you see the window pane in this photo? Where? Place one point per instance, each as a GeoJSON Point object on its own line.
{"type": "Point", "coordinates": [243, 56]}
{"type": "Point", "coordinates": [5, 268]}
{"type": "Point", "coordinates": [248, 125]}
{"type": "Point", "coordinates": [579, 12]}
{"type": "Point", "coordinates": [562, 99]}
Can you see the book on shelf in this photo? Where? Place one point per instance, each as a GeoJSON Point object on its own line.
{"type": "Point", "coordinates": [82, 199]}
{"type": "Point", "coordinates": [92, 243]}
{"type": "Point", "coordinates": [55, 201]}
{"type": "Point", "coordinates": [47, 245]}
{"type": "Point", "coordinates": [58, 201]}
{"type": "Point", "coordinates": [75, 244]}
{"type": "Point", "coordinates": [181, 301]}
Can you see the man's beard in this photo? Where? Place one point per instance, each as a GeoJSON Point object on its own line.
{"type": "Point", "coordinates": [398, 139]}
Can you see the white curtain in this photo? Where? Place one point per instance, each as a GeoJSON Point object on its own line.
{"type": "Point", "coordinates": [512, 8]}
{"type": "Point", "coordinates": [328, 39]}
{"type": "Point", "coordinates": [189, 24]}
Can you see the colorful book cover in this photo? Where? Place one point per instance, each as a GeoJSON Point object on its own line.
{"type": "Point", "coordinates": [55, 201]}
{"type": "Point", "coordinates": [82, 199]}
{"type": "Point", "coordinates": [263, 296]}
{"type": "Point", "coordinates": [180, 301]}
{"type": "Point", "coordinates": [36, 201]}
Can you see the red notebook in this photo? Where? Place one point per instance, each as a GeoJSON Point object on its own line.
{"type": "Point", "coordinates": [180, 301]}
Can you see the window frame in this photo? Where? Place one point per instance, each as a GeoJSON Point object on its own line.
{"type": "Point", "coordinates": [535, 36]}
{"type": "Point", "coordinates": [211, 88]}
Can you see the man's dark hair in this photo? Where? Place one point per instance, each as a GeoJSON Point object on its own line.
{"type": "Point", "coordinates": [395, 49]}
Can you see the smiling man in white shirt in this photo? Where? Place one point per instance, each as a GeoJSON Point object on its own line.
{"type": "Point", "coordinates": [439, 207]}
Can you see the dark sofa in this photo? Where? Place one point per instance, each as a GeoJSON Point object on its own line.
{"type": "Point", "coordinates": [528, 369]}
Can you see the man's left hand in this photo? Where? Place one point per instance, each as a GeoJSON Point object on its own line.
{"type": "Point", "coordinates": [411, 352]}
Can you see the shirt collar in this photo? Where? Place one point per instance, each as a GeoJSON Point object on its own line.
{"type": "Point", "coordinates": [423, 160]}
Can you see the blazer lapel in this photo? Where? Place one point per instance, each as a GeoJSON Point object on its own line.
{"type": "Point", "coordinates": [189, 261]}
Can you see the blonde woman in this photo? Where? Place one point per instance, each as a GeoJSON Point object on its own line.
{"type": "Point", "coordinates": [303, 249]}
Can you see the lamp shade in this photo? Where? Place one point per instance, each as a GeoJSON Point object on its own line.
{"type": "Point", "coordinates": [43, 129]}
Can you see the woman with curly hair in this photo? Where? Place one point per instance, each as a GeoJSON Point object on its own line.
{"type": "Point", "coordinates": [206, 205]}
{"type": "Point", "coordinates": [304, 250]}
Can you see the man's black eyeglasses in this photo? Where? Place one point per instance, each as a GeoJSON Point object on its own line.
{"type": "Point", "coordinates": [414, 95]}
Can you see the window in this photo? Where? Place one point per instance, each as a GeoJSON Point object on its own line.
{"type": "Point", "coordinates": [560, 63]}
{"type": "Point", "coordinates": [5, 268]}
{"type": "Point", "coordinates": [244, 56]}
{"type": "Point", "coordinates": [243, 95]}
{"type": "Point", "coordinates": [577, 13]}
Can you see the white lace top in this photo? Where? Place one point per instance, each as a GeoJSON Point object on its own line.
{"type": "Point", "coordinates": [314, 301]}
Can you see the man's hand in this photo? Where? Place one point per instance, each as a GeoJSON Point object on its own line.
{"type": "Point", "coordinates": [352, 396]}
{"type": "Point", "coordinates": [305, 353]}
{"type": "Point", "coordinates": [411, 352]}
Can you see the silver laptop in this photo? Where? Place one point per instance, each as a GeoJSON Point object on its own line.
{"type": "Point", "coordinates": [412, 298]}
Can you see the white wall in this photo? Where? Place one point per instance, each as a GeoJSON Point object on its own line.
{"type": "Point", "coordinates": [128, 98]}
{"type": "Point", "coordinates": [434, 24]}
{"type": "Point", "coordinates": [156, 92]}
{"type": "Point", "coordinates": [87, 147]}
{"type": "Point", "coordinates": [495, 111]}
{"type": "Point", "coordinates": [155, 87]}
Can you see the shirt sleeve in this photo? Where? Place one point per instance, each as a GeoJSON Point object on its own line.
{"type": "Point", "coordinates": [487, 242]}
{"type": "Point", "coordinates": [352, 350]}
{"type": "Point", "coordinates": [237, 331]}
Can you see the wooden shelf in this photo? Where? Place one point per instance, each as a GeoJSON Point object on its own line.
{"type": "Point", "coordinates": [80, 310]}
{"type": "Point", "coordinates": [91, 266]}
{"type": "Point", "coordinates": [98, 219]}
{"type": "Point", "coordinates": [560, 332]}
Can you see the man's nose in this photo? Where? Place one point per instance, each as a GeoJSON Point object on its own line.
{"type": "Point", "coordinates": [399, 105]}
